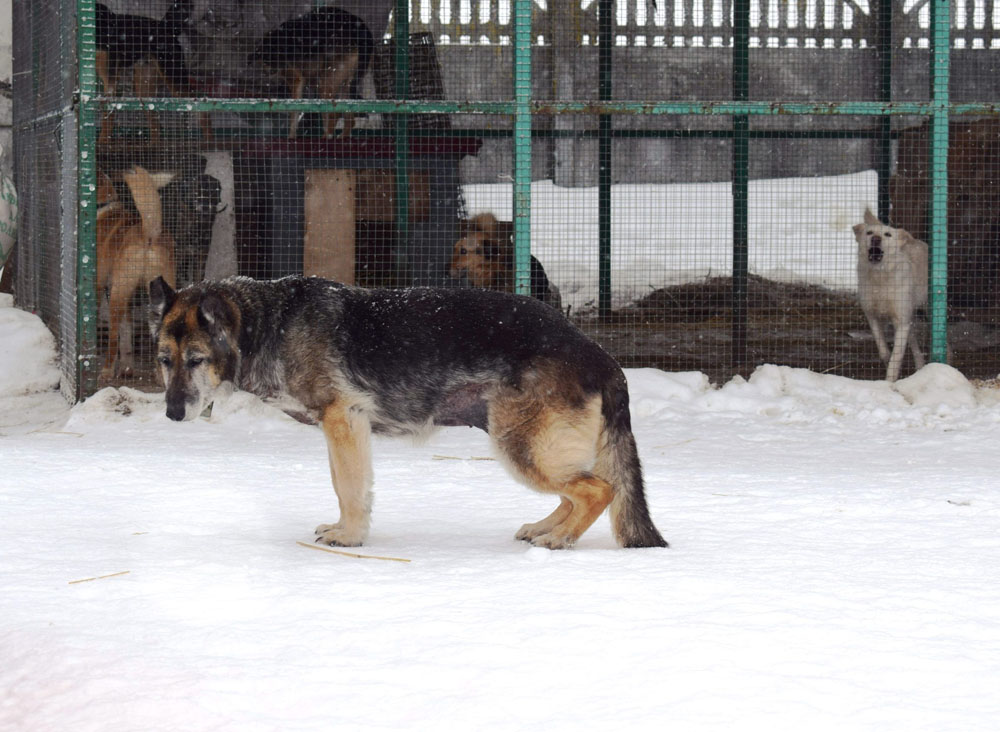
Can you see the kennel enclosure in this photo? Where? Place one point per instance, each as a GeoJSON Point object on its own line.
{"type": "Point", "coordinates": [686, 171]}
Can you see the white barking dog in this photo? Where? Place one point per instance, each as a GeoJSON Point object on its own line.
{"type": "Point", "coordinates": [892, 284]}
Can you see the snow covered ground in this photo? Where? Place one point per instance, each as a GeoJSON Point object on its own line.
{"type": "Point", "coordinates": [834, 565]}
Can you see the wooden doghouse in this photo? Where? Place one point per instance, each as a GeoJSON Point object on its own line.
{"type": "Point", "coordinates": [328, 207]}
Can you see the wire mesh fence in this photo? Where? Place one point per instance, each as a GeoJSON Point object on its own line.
{"type": "Point", "coordinates": [687, 180]}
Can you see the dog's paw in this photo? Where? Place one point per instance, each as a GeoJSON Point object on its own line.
{"type": "Point", "coordinates": [334, 535]}
{"type": "Point", "coordinates": [528, 532]}
{"type": "Point", "coordinates": [553, 541]}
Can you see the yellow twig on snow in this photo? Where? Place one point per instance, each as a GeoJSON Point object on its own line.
{"type": "Point", "coordinates": [349, 554]}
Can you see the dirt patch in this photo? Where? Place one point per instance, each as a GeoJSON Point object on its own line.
{"type": "Point", "coordinates": [689, 328]}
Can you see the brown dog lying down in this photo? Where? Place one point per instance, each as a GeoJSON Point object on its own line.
{"type": "Point", "coordinates": [484, 257]}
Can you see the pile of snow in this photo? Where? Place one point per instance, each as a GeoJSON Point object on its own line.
{"type": "Point", "coordinates": [28, 355]}
{"type": "Point", "coordinates": [834, 565]}
{"type": "Point", "coordinates": [29, 376]}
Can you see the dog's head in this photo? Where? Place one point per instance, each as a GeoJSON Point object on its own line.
{"type": "Point", "coordinates": [878, 242]}
{"type": "Point", "coordinates": [196, 335]}
{"type": "Point", "coordinates": [484, 251]}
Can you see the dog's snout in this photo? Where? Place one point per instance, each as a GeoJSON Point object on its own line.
{"type": "Point", "coordinates": [875, 254]}
{"type": "Point", "coordinates": [876, 241]}
{"type": "Point", "coordinates": [178, 405]}
{"type": "Point", "coordinates": [176, 411]}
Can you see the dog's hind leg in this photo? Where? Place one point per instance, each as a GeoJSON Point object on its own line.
{"type": "Point", "coordinates": [348, 441]}
{"type": "Point", "coordinates": [102, 64]}
{"type": "Point", "coordinates": [529, 532]}
{"type": "Point", "coordinates": [123, 284]}
{"type": "Point", "coordinates": [332, 81]}
{"type": "Point", "coordinates": [588, 496]}
{"type": "Point", "coordinates": [551, 444]}
{"type": "Point", "coordinates": [146, 79]}
{"type": "Point", "coordinates": [918, 355]}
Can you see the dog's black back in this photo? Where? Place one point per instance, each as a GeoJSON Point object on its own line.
{"type": "Point", "coordinates": [382, 334]}
{"type": "Point", "coordinates": [131, 38]}
{"type": "Point", "coordinates": [321, 31]}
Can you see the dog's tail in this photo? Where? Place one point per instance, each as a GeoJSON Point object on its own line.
{"type": "Point", "coordinates": [618, 463]}
{"type": "Point", "coordinates": [144, 187]}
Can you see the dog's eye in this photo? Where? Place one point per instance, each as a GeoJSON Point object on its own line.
{"type": "Point", "coordinates": [164, 361]}
{"type": "Point", "coordinates": [887, 234]}
{"type": "Point", "coordinates": [195, 362]}
{"type": "Point", "coordinates": [463, 250]}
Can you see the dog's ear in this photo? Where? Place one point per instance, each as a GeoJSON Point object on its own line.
{"type": "Point", "coordinates": [859, 233]}
{"type": "Point", "coordinates": [161, 299]}
{"type": "Point", "coordinates": [905, 237]}
{"type": "Point", "coordinates": [215, 315]}
{"type": "Point", "coordinates": [482, 223]}
{"type": "Point", "coordinates": [870, 218]}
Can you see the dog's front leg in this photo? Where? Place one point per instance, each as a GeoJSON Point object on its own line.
{"type": "Point", "coordinates": [876, 325]}
{"type": "Point", "coordinates": [900, 337]}
{"type": "Point", "coordinates": [348, 441]}
{"type": "Point", "coordinates": [102, 64]}
{"type": "Point", "coordinates": [916, 335]}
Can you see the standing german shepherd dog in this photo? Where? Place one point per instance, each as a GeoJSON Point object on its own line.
{"type": "Point", "coordinates": [399, 362]}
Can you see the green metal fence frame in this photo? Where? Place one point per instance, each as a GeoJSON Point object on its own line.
{"type": "Point", "coordinates": [523, 108]}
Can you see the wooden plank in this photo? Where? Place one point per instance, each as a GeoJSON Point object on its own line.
{"type": "Point", "coordinates": [376, 195]}
{"type": "Point", "coordinates": [328, 249]}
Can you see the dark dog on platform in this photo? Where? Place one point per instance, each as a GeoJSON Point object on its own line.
{"type": "Point", "coordinates": [484, 257]}
{"type": "Point", "coordinates": [400, 362]}
{"type": "Point", "coordinates": [151, 50]}
{"type": "Point", "coordinates": [328, 51]}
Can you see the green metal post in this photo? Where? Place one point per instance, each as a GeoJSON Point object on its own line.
{"type": "Point", "coordinates": [401, 130]}
{"type": "Point", "coordinates": [88, 363]}
{"type": "Point", "coordinates": [604, 45]}
{"type": "Point", "coordinates": [938, 291]}
{"type": "Point", "coordinates": [883, 153]}
{"type": "Point", "coordinates": [741, 181]}
{"type": "Point", "coordinates": [522, 146]}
